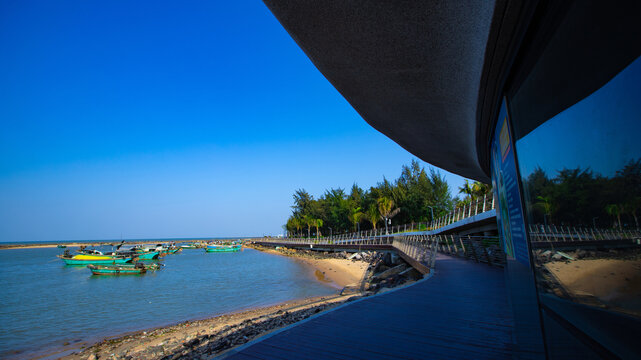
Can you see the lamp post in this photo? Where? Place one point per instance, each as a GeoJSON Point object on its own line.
{"type": "Point", "coordinates": [432, 211]}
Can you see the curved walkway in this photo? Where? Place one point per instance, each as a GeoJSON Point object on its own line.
{"type": "Point", "coordinates": [460, 312]}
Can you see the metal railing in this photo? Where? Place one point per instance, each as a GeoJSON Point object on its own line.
{"type": "Point", "coordinates": [421, 248]}
{"type": "Point", "coordinates": [475, 207]}
{"type": "Point", "coordinates": [553, 233]}
{"type": "Point", "coordinates": [345, 239]}
{"type": "Point", "coordinates": [483, 249]}
{"type": "Point", "coordinates": [471, 209]}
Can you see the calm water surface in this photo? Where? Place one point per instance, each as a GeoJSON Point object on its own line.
{"type": "Point", "coordinates": [46, 303]}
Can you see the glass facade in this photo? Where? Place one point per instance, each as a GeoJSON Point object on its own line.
{"type": "Point", "coordinates": [572, 112]}
{"type": "Point", "coordinates": [581, 176]}
{"type": "Point", "coordinates": [581, 181]}
{"type": "Point", "coordinates": [566, 168]}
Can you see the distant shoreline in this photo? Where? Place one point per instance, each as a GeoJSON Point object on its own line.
{"type": "Point", "coordinates": [104, 242]}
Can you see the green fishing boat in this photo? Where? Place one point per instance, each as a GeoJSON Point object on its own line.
{"type": "Point", "coordinates": [148, 256]}
{"type": "Point", "coordinates": [125, 269]}
{"type": "Point", "coordinates": [160, 248]}
{"type": "Point", "coordinates": [223, 248]}
{"type": "Point", "coordinates": [171, 250]}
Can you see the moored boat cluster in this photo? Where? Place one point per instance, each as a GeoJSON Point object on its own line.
{"type": "Point", "coordinates": [129, 259]}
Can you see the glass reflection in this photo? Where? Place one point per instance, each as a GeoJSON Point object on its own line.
{"type": "Point", "coordinates": [581, 176]}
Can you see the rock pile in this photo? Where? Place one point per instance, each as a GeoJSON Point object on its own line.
{"type": "Point", "coordinates": [387, 270]}
{"type": "Point", "coordinates": [366, 256]}
{"type": "Point", "coordinates": [230, 336]}
{"type": "Point", "coordinates": [545, 256]}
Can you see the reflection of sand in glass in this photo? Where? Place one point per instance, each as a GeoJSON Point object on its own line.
{"type": "Point", "coordinates": [586, 162]}
{"type": "Point", "coordinates": [605, 279]}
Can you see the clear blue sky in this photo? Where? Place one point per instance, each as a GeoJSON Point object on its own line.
{"type": "Point", "coordinates": [588, 134]}
{"type": "Point", "coordinates": [177, 119]}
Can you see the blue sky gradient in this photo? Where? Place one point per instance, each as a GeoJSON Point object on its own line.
{"type": "Point", "coordinates": [152, 119]}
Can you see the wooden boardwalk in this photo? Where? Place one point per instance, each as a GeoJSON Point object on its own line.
{"type": "Point", "coordinates": [461, 312]}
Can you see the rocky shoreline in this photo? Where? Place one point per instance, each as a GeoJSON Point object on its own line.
{"type": "Point", "coordinates": [203, 339]}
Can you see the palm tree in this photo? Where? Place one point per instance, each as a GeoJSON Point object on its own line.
{"type": "Point", "coordinates": [298, 224]}
{"type": "Point", "coordinates": [373, 215]}
{"type": "Point", "coordinates": [385, 206]}
{"type": "Point", "coordinates": [615, 210]}
{"type": "Point", "coordinates": [355, 216]}
{"type": "Point", "coordinates": [318, 223]}
{"type": "Point", "coordinates": [480, 189]}
{"type": "Point", "coordinates": [309, 221]}
{"type": "Point", "coordinates": [545, 204]}
{"type": "Point", "coordinates": [467, 189]}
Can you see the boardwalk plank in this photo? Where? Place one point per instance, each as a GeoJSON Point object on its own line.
{"type": "Point", "coordinates": [461, 312]}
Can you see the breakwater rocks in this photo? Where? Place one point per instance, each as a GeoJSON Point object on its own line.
{"type": "Point", "coordinates": [385, 269]}
{"type": "Point", "coordinates": [388, 270]}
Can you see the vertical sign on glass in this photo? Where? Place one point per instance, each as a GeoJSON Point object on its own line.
{"type": "Point", "coordinates": [509, 212]}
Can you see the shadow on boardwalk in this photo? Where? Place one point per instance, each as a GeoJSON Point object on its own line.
{"type": "Point", "coordinates": [460, 312]}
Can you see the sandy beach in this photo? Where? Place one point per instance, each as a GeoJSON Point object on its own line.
{"type": "Point", "coordinates": [212, 336]}
{"type": "Point", "coordinates": [340, 272]}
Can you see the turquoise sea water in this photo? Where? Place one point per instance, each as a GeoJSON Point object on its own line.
{"type": "Point", "coordinates": [45, 303]}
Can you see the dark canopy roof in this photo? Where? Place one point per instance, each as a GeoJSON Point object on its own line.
{"type": "Point", "coordinates": [411, 69]}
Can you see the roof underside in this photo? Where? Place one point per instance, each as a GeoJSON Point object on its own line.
{"type": "Point", "coordinates": [411, 69]}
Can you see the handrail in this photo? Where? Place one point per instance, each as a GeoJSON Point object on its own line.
{"type": "Point", "coordinates": [554, 233]}
{"type": "Point", "coordinates": [421, 248]}
{"type": "Point", "coordinates": [468, 210]}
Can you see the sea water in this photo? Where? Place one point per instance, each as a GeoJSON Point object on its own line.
{"type": "Point", "coordinates": [45, 304]}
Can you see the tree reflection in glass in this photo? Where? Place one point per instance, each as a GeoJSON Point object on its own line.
{"type": "Point", "coordinates": [581, 176]}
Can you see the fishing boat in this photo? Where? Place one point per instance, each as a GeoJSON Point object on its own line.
{"type": "Point", "coordinates": [124, 269]}
{"type": "Point", "coordinates": [132, 252]}
{"type": "Point", "coordinates": [223, 247]}
{"type": "Point", "coordinates": [62, 246]}
{"type": "Point", "coordinates": [171, 249]}
{"type": "Point", "coordinates": [87, 259]}
{"type": "Point", "coordinates": [189, 246]}
{"type": "Point", "coordinates": [147, 256]}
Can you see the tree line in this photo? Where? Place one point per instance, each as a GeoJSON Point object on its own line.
{"type": "Point", "coordinates": [414, 197]}
{"type": "Point", "coordinates": [581, 197]}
